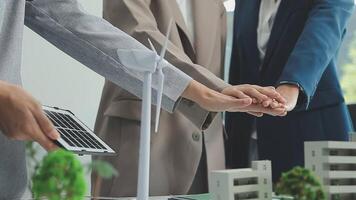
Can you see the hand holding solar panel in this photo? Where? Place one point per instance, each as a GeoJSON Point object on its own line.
{"type": "Point", "coordinates": [148, 63]}
{"type": "Point", "coordinates": [75, 136]}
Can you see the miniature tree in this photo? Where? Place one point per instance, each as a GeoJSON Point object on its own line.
{"type": "Point", "coordinates": [59, 176]}
{"type": "Point", "coordinates": [302, 184]}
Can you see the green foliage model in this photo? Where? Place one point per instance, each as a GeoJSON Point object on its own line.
{"type": "Point", "coordinates": [59, 176]}
{"type": "Point", "coordinates": [58, 166]}
{"type": "Point", "coordinates": [301, 184]}
{"type": "Point", "coordinates": [348, 78]}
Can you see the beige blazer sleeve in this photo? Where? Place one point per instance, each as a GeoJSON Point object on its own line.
{"type": "Point", "coordinates": [136, 19]}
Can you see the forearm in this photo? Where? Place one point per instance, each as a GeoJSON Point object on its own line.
{"type": "Point", "coordinates": [94, 42]}
{"type": "Point", "coordinates": [317, 44]}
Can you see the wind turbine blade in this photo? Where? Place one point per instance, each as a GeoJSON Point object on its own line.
{"type": "Point", "coordinates": [164, 49]}
{"type": "Point", "coordinates": [161, 76]}
{"type": "Point", "coordinates": [159, 97]}
{"type": "Point", "coordinates": [151, 45]}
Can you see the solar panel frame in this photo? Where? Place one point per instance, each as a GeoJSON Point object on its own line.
{"type": "Point", "coordinates": [75, 135]}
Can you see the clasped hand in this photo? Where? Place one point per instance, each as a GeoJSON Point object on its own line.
{"type": "Point", "coordinates": [263, 100]}
{"type": "Point", "coordinates": [253, 99]}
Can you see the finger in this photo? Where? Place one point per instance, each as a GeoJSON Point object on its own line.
{"type": "Point", "coordinates": [272, 93]}
{"type": "Point", "coordinates": [256, 114]}
{"type": "Point", "coordinates": [237, 105]}
{"type": "Point", "coordinates": [239, 94]}
{"type": "Point", "coordinates": [254, 100]}
{"type": "Point", "coordinates": [281, 99]}
{"type": "Point", "coordinates": [277, 112]}
{"type": "Point", "coordinates": [241, 103]}
{"type": "Point", "coordinates": [252, 92]}
{"type": "Point", "coordinates": [45, 124]}
{"type": "Point", "coordinates": [44, 141]}
{"type": "Point", "coordinates": [271, 87]}
{"type": "Point", "coordinates": [282, 105]}
{"type": "Point", "coordinates": [267, 103]}
{"type": "Point", "coordinates": [236, 93]}
{"type": "Point", "coordinates": [37, 135]}
{"type": "Point", "coordinates": [275, 104]}
{"type": "Point", "coordinates": [269, 111]}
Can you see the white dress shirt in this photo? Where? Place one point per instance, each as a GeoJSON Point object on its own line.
{"type": "Point", "coordinates": [186, 9]}
{"type": "Point", "coordinates": [267, 15]}
{"type": "Point", "coordinates": [268, 12]}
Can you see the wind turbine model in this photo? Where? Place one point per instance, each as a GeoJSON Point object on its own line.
{"type": "Point", "coordinates": [148, 63]}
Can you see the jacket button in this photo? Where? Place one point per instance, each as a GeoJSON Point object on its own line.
{"type": "Point", "coordinates": [196, 136]}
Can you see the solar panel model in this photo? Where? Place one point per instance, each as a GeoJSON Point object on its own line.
{"type": "Point", "coordinates": [75, 135]}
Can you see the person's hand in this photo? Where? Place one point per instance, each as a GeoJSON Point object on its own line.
{"type": "Point", "coordinates": [215, 101]}
{"type": "Point", "coordinates": [259, 110]}
{"type": "Point", "coordinates": [267, 96]}
{"type": "Point", "coordinates": [22, 117]}
{"type": "Point", "coordinates": [265, 99]}
{"type": "Point", "coordinates": [290, 93]}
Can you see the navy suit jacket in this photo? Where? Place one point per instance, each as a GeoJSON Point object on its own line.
{"type": "Point", "coordinates": [302, 50]}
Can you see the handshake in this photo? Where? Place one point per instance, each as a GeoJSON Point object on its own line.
{"type": "Point", "coordinates": [252, 99]}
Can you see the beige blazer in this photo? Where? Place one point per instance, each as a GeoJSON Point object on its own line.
{"type": "Point", "coordinates": [177, 147]}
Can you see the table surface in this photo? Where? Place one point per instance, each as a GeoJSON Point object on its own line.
{"type": "Point", "coordinates": [187, 197]}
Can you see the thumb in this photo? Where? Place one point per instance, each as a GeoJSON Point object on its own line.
{"type": "Point", "coordinates": [40, 137]}
{"type": "Point", "coordinates": [240, 103]}
{"type": "Point", "coordinates": [234, 92]}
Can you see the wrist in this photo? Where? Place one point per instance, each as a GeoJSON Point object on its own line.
{"type": "Point", "coordinates": [288, 90]}
{"type": "Point", "coordinates": [290, 85]}
{"type": "Point", "coordinates": [224, 88]}
{"type": "Point", "coordinates": [197, 92]}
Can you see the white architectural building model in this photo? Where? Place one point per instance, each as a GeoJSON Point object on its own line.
{"type": "Point", "coordinates": [241, 184]}
{"type": "Point", "coordinates": [353, 137]}
{"type": "Point", "coordinates": [335, 164]}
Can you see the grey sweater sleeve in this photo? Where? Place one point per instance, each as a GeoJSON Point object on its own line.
{"type": "Point", "coordinates": [94, 42]}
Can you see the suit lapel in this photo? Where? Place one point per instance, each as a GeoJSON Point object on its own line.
{"type": "Point", "coordinates": [206, 13]}
{"type": "Point", "coordinates": [179, 20]}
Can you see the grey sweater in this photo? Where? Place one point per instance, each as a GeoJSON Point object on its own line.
{"type": "Point", "coordinates": [12, 153]}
